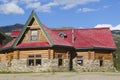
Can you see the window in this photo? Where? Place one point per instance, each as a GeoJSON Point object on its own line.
{"type": "Point", "coordinates": [62, 35]}
{"type": "Point", "coordinates": [34, 35]}
{"type": "Point", "coordinates": [38, 60]}
{"type": "Point", "coordinates": [80, 60]}
{"type": "Point", "coordinates": [31, 62]}
{"type": "Point", "coordinates": [60, 60]}
{"type": "Point", "coordinates": [34, 60]}
{"type": "Point", "coordinates": [101, 61]}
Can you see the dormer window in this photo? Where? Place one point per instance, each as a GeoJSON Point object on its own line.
{"type": "Point", "coordinates": [34, 35]}
{"type": "Point", "coordinates": [62, 35]}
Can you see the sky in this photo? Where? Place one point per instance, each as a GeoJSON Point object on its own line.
{"type": "Point", "coordinates": [59, 13]}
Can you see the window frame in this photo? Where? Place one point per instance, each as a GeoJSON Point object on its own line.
{"type": "Point", "coordinates": [34, 58]}
{"type": "Point", "coordinates": [60, 60]}
{"type": "Point", "coordinates": [34, 35]}
{"type": "Point", "coordinates": [80, 60]}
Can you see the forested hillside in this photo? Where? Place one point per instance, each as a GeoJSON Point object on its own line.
{"type": "Point", "coordinates": [116, 36]}
{"type": "Point", "coordinates": [4, 39]}
{"type": "Point", "coordinates": [9, 28]}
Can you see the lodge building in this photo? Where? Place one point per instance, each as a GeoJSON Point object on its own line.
{"type": "Point", "coordinates": [38, 48]}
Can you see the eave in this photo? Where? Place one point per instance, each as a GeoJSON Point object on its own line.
{"type": "Point", "coordinates": [95, 48]}
{"type": "Point", "coordinates": [63, 46]}
{"type": "Point", "coordinates": [31, 47]}
{"type": "Point", "coordinates": [7, 48]}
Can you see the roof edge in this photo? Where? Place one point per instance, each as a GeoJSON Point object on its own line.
{"type": "Point", "coordinates": [96, 48]}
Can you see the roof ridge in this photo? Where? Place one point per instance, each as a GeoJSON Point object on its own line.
{"type": "Point", "coordinates": [81, 28]}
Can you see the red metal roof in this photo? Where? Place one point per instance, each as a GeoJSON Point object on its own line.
{"type": "Point", "coordinates": [15, 33]}
{"type": "Point", "coordinates": [9, 44]}
{"type": "Point", "coordinates": [33, 44]}
{"type": "Point", "coordinates": [56, 40]}
{"type": "Point", "coordinates": [83, 38]}
{"type": "Point", "coordinates": [89, 38]}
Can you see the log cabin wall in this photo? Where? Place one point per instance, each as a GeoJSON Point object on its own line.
{"type": "Point", "coordinates": [92, 60]}
{"type": "Point", "coordinates": [82, 58]}
{"type": "Point", "coordinates": [23, 54]}
{"type": "Point", "coordinates": [106, 55]}
{"type": "Point", "coordinates": [62, 51]}
{"type": "Point", "coordinates": [3, 57]}
{"type": "Point", "coordinates": [49, 58]}
{"type": "Point", "coordinates": [87, 55]}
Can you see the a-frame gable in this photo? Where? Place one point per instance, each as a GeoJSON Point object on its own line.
{"type": "Point", "coordinates": [32, 16]}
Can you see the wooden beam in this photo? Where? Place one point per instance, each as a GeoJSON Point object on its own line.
{"type": "Point", "coordinates": [49, 53]}
{"type": "Point", "coordinates": [18, 54]}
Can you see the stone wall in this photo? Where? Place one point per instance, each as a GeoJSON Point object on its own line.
{"type": "Point", "coordinates": [93, 66]}
{"type": "Point", "coordinates": [66, 63]}
{"type": "Point", "coordinates": [20, 65]}
{"type": "Point", "coordinates": [3, 66]}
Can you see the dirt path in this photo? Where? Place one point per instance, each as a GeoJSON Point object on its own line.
{"type": "Point", "coordinates": [61, 76]}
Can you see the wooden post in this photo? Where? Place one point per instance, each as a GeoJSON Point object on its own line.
{"type": "Point", "coordinates": [49, 53]}
{"type": "Point", "coordinates": [67, 54]}
{"type": "Point", "coordinates": [93, 55]}
{"type": "Point", "coordinates": [18, 54]}
{"type": "Point", "coordinates": [111, 56]}
{"type": "Point", "coordinates": [6, 56]}
{"type": "Point", "coordinates": [89, 55]}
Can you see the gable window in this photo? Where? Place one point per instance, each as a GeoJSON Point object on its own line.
{"type": "Point", "coordinates": [34, 60]}
{"type": "Point", "coordinates": [80, 60]}
{"type": "Point", "coordinates": [60, 60]}
{"type": "Point", "coordinates": [34, 35]}
{"type": "Point", "coordinates": [62, 35]}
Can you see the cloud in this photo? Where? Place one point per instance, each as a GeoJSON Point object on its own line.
{"type": "Point", "coordinates": [11, 8]}
{"type": "Point", "coordinates": [68, 4]}
{"type": "Point", "coordinates": [4, 1]}
{"type": "Point", "coordinates": [86, 10]}
{"type": "Point", "coordinates": [18, 6]}
{"type": "Point", "coordinates": [106, 6]}
{"type": "Point", "coordinates": [42, 8]}
{"type": "Point", "coordinates": [109, 26]}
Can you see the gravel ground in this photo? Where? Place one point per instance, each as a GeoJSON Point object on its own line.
{"type": "Point", "coordinates": [62, 76]}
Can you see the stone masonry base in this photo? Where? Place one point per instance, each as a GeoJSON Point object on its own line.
{"type": "Point", "coordinates": [20, 65]}
{"type": "Point", "coordinates": [94, 66]}
{"type": "Point", "coordinates": [47, 65]}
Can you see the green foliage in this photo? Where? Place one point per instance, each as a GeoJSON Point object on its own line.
{"type": "Point", "coordinates": [9, 72]}
{"type": "Point", "coordinates": [4, 39]}
{"type": "Point", "coordinates": [117, 52]}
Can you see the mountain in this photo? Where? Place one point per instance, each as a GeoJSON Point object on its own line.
{"type": "Point", "coordinates": [9, 28]}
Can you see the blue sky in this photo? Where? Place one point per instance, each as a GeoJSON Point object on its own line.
{"type": "Point", "coordinates": [57, 13]}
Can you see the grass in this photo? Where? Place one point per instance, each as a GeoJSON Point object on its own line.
{"type": "Point", "coordinates": [9, 72]}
